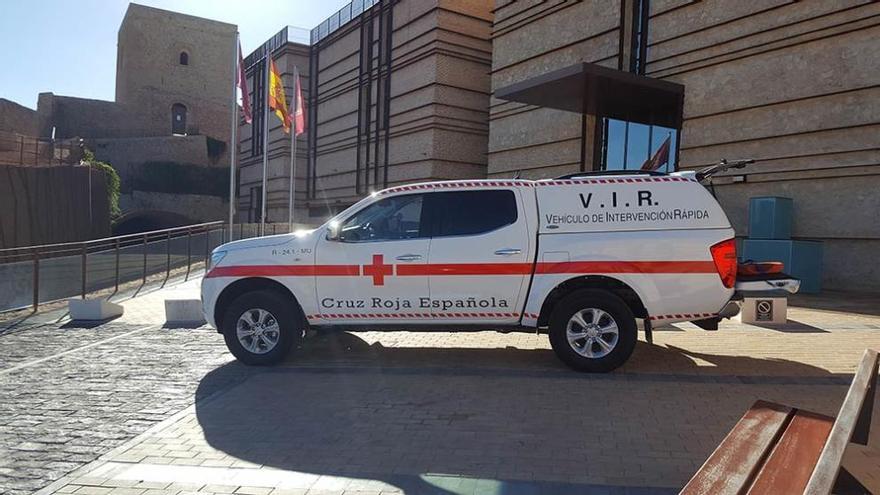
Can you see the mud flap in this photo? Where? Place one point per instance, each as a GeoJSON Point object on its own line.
{"type": "Point", "coordinates": [708, 323]}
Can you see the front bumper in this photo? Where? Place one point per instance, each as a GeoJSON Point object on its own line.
{"type": "Point", "coordinates": [211, 288]}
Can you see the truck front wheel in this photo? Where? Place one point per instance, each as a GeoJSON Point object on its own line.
{"type": "Point", "coordinates": [260, 327]}
{"type": "Point", "coordinates": [593, 330]}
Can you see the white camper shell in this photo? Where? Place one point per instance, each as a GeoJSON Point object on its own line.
{"type": "Point", "coordinates": [579, 258]}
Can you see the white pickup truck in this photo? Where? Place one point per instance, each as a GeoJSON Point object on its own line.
{"type": "Point", "coordinates": [580, 257]}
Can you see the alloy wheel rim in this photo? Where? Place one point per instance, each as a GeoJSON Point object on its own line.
{"type": "Point", "coordinates": [257, 331]}
{"type": "Point", "coordinates": [592, 333]}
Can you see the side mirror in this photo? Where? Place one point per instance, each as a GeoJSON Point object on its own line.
{"type": "Point", "coordinates": [333, 231]}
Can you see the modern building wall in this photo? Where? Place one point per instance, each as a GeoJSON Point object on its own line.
{"type": "Point", "coordinates": [397, 93]}
{"type": "Point", "coordinates": [530, 38]}
{"type": "Point", "coordinates": [792, 84]}
{"type": "Point", "coordinates": [399, 105]}
{"type": "Point", "coordinates": [289, 57]}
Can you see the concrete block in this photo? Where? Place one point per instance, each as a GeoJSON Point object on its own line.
{"type": "Point", "coordinates": [184, 311]}
{"type": "Point", "coordinates": [764, 310]}
{"type": "Point", "coordinates": [93, 309]}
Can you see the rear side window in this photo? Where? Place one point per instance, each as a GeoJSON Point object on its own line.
{"type": "Point", "coordinates": [471, 212]}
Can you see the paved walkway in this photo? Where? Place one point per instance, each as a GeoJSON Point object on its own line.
{"type": "Point", "coordinates": [130, 407]}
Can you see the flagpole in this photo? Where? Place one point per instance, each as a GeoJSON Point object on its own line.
{"type": "Point", "coordinates": [265, 149]}
{"type": "Point", "coordinates": [233, 148]}
{"type": "Point", "coordinates": [290, 199]}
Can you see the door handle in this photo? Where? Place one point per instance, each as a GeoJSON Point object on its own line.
{"type": "Point", "coordinates": [508, 252]}
{"type": "Point", "coordinates": [409, 257]}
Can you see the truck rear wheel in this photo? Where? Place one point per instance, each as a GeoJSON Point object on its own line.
{"type": "Point", "coordinates": [593, 330]}
{"type": "Point", "coordinates": [260, 327]}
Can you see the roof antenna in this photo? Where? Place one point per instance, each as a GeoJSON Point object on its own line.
{"type": "Point", "coordinates": [517, 175]}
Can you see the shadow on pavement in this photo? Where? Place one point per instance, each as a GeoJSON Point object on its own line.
{"type": "Point", "coordinates": [340, 349]}
{"type": "Point", "coordinates": [342, 407]}
{"type": "Point", "coordinates": [182, 325]}
{"type": "Point", "coordinates": [88, 323]}
{"type": "Point", "coordinates": [791, 326]}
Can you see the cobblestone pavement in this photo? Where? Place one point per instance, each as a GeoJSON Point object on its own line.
{"type": "Point", "coordinates": [168, 411]}
{"type": "Point", "coordinates": [69, 394]}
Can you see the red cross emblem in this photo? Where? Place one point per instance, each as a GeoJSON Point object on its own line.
{"type": "Point", "coordinates": [378, 270]}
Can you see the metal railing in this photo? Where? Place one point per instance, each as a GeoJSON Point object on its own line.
{"type": "Point", "coordinates": [340, 18]}
{"type": "Point", "coordinates": [53, 269]}
{"type": "Point", "coordinates": [34, 275]}
{"type": "Point", "coordinates": [288, 34]}
{"type": "Point", "coordinates": [20, 150]}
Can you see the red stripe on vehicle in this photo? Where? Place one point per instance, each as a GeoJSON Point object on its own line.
{"type": "Point", "coordinates": [285, 271]}
{"type": "Point", "coordinates": [472, 269]}
{"type": "Point", "coordinates": [465, 269]}
{"type": "Point", "coordinates": [626, 267]}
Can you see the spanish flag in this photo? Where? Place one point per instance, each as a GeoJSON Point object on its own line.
{"type": "Point", "coordinates": [277, 98]}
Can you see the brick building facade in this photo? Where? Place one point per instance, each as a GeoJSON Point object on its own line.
{"type": "Point", "coordinates": [290, 51]}
{"type": "Point", "coordinates": [397, 92]}
{"type": "Point", "coordinates": [792, 84]}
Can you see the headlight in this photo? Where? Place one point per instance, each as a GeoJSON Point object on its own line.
{"type": "Point", "coordinates": [216, 257]}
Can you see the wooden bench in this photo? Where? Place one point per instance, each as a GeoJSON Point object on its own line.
{"type": "Point", "coordinates": [776, 449]}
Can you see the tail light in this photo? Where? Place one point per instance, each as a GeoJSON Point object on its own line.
{"type": "Point", "coordinates": [724, 256]}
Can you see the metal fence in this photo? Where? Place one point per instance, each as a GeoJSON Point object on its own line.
{"type": "Point", "coordinates": [16, 149]}
{"type": "Point", "coordinates": [287, 34]}
{"type": "Point", "coordinates": [34, 275]}
{"type": "Point", "coordinates": [340, 18]}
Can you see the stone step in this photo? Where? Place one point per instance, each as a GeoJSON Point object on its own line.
{"type": "Point", "coordinates": [184, 311]}
{"type": "Point", "coordinates": [93, 309]}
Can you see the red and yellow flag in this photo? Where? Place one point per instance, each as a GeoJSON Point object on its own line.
{"type": "Point", "coordinates": [277, 98]}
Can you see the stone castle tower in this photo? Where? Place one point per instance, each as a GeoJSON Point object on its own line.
{"type": "Point", "coordinates": [176, 71]}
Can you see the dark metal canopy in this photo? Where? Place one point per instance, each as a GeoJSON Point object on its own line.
{"type": "Point", "coordinates": [596, 90]}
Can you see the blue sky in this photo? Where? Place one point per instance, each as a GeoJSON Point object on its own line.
{"type": "Point", "coordinates": [69, 48]}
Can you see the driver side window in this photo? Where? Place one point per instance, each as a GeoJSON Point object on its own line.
{"type": "Point", "coordinates": [390, 219]}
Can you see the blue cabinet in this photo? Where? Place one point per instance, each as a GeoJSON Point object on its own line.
{"type": "Point", "coordinates": [770, 218]}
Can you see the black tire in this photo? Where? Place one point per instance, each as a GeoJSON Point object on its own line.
{"type": "Point", "coordinates": [615, 308]}
{"type": "Point", "coordinates": [284, 310]}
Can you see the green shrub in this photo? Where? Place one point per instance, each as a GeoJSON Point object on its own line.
{"type": "Point", "coordinates": [112, 178]}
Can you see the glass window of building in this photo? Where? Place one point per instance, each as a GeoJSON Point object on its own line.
{"type": "Point", "coordinates": [628, 145]}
